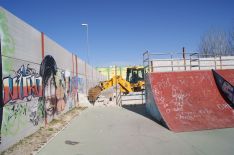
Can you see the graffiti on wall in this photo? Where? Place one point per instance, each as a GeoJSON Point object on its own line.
{"type": "Point", "coordinates": [20, 100]}
{"type": "Point", "coordinates": [25, 84]}
{"type": "Point", "coordinates": [59, 90]}
{"type": "Point", "coordinates": [31, 97]}
{"type": "Point", "coordinates": [48, 70]}
{"type": "Point", "coordinates": [81, 84]}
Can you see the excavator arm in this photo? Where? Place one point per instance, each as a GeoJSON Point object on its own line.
{"type": "Point", "coordinates": [125, 87]}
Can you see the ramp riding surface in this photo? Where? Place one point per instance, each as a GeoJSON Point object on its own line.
{"type": "Point", "coordinates": [189, 100]}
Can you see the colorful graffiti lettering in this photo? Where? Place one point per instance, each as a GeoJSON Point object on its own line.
{"type": "Point", "coordinates": [26, 84]}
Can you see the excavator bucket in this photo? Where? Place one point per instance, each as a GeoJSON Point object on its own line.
{"type": "Point", "coordinates": [94, 93]}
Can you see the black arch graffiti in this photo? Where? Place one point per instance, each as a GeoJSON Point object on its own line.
{"type": "Point", "coordinates": [225, 88]}
{"type": "Point", "coordinates": [48, 69]}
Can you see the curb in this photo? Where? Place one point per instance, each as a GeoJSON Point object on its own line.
{"type": "Point", "coordinates": [36, 152]}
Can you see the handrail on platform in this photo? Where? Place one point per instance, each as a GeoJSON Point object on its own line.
{"type": "Point", "coordinates": [172, 61]}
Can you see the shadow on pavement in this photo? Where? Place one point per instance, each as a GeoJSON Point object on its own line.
{"type": "Point", "coordinates": [69, 142]}
{"type": "Point", "coordinates": [141, 110]}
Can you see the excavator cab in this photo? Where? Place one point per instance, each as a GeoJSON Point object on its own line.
{"type": "Point", "coordinates": [135, 75]}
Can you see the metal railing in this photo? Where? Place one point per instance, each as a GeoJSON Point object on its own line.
{"type": "Point", "coordinates": [133, 98]}
{"type": "Point", "coordinates": [118, 97]}
{"type": "Point", "coordinates": [185, 61]}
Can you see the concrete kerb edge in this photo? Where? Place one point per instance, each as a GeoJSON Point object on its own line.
{"type": "Point", "coordinates": [36, 152]}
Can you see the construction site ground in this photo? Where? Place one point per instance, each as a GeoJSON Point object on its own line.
{"type": "Point", "coordinates": [128, 130]}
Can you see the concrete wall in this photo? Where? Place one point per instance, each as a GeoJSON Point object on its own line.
{"type": "Point", "coordinates": [37, 86]}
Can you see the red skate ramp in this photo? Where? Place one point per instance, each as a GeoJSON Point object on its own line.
{"type": "Point", "coordinates": [189, 100]}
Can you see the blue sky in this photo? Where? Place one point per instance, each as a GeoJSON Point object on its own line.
{"type": "Point", "coordinates": [121, 30]}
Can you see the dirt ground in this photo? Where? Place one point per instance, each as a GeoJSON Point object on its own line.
{"type": "Point", "coordinates": [31, 144]}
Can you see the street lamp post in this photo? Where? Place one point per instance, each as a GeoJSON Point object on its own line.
{"type": "Point", "coordinates": [87, 43]}
{"type": "Point", "coordinates": [87, 40]}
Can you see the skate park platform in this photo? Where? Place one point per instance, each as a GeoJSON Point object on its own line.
{"type": "Point", "coordinates": [189, 100]}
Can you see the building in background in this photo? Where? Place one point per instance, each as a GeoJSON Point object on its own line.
{"type": "Point", "coordinates": [111, 71]}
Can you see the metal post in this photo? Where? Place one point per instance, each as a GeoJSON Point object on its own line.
{"type": "Point", "coordinates": [199, 66]}
{"type": "Point", "coordinates": [184, 58]}
{"type": "Point", "coordinates": [190, 60]}
{"type": "Point", "coordinates": [151, 66]}
{"type": "Point", "coordinates": [120, 70]}
{"type": "Point", "coordinates": [220, 59]}
{"type": "Point", "coordinates": [215, 60]}
{"type": "Point", "coordinates": [86, 78]}
{"type": "Point", "coordinates": [116, 84]}
{"type": "Point", "coordinates": [148, 56]}
{"type": "Point", "coordinates": [171, 62]}
{"type": "Point", "coordinates": [87, 40]}
{"type": "Point", "coordinates": [92, 78]}
{"type": "Point", "coordinates": [120, 98]}
{"type": "Point", "coordinates": [42, 45]}
{"type": "Point", "coordinates": [108, 73]}
{"type": "Point", "coordinates": [142, 97]}
{"type": "Point", "coordinates": [87, 43]}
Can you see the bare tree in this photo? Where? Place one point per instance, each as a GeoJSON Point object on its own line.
{"type": "Point", "coordinates": [214, 42]}
{"type": "Point", "coordinates": [231, 40]}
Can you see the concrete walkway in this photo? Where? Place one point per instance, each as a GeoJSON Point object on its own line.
{"type": "Point", "coordinates": [127, 131]}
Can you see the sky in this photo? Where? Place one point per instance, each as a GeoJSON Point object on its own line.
{"type": "Point", "coordinates": [121, 30]}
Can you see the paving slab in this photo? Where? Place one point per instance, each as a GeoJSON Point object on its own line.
{"type": "Point", "coordinates": [130, 131]}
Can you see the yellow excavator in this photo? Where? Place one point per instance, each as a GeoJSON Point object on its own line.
{"type": "Point", "coordinates": [134, 83]}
